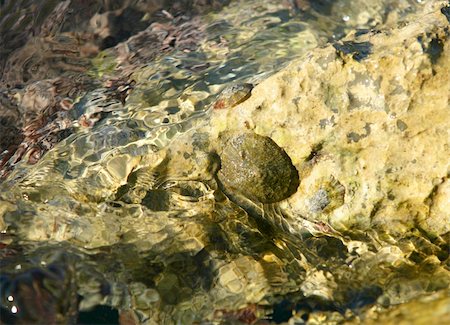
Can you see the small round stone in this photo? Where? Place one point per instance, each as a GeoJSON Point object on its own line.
{"type": "Point", "coordinates": [256, 167]}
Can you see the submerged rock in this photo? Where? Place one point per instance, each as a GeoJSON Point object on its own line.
{"type": "Point", "coordinates": [39, 295]}
{"type": "Point", "coordinates": [363, 124]}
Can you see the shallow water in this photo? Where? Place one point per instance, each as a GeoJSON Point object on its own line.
{"type": "Point", "coordinates": [112, 216]}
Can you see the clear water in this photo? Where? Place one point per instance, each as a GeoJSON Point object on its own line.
{"type": "Point", "coordinates": [185, 253]}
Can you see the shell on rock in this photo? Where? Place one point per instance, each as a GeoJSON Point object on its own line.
{"type": "Point", "coordinates": [233, 96]}
{"type": "Point", "coordinates": [256, 167]}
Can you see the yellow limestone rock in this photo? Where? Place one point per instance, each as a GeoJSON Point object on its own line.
{"type": "Point", "coordinates": [366, 123]}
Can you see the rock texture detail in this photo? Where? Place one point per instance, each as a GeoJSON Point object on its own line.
{"type": "Point", "coordinates": [135, 201]}
{"type": "Point", "coordinates": [371, 114]}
